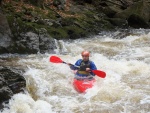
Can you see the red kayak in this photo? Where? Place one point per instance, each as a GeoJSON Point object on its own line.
{"type": "Point", "coordinates": [82, 85]}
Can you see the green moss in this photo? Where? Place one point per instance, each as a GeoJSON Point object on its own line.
{"type": "Point", "coordinates": [89, 13]}
{"type": "Point", "coordinates": [76, 32]}
{"type": "Point", "coordinates": [75, 29]}
{"type": "Point", "coordinates": [18, 26]}
{"type": "Point", "coordinates": [57, 33]}
{"type": "Point", "coordinates": [66, 32]}
{"type": "Point", "coordinates": [51, 14]}
{"type": "Point", "coordinates": [106, 25]}
{"type": "Point", "coordinates": [8, 8]}
{"type": "Point", "coordinates": [69, 27]}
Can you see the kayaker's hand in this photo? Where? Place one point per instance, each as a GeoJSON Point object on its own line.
{"type": "Point", "coordinates": [69, 64]}
{"type": "Point", "coordinates": [88, 69]}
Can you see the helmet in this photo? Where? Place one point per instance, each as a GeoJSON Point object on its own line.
{"type": "Point", "coordinates": [85, 53]}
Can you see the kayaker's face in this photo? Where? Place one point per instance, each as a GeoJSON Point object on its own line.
{"type": "Point", "coordinates": [85, 58]}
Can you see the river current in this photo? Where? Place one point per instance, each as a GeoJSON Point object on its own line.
{"type": "Point", "coordinates": [125, 57]}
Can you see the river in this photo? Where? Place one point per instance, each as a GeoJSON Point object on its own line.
{"type": "Point", "coordinates": [125, 57]}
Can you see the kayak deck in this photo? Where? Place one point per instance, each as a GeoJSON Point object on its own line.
{"type": "Point", "coordinates": [82, 85]}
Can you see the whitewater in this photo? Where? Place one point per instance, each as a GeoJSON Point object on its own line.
{"type": "Point", "coordinates": [125, 57]}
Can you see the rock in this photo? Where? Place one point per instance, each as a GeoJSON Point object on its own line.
{"type": "Point", "coordinates": [139, 11]}
{"type": "Point", "coordinates": [136, 21]}
{"type": "Point", "coordinates": [27, 43]}
{"type": "Point", "coordinates": [122, 23]}
{"type": "Point", "coordinates": [32, 27]}
{"type": "Point", "coordinates": [60, 4]}
{"type": "Point", "coordinates": [110, 11]}
{"type": "Point", "coordinates": [13, 78]}
{"type": "Point", "coordinates": [46, 42]}
{"type": "Point", "coordinates": [26, 39]}
{"type": "Point", "coordinates": [11, 82]}
{"type": "Point", "coordinates": [31, 42]}
{"type": "Point", "coordinates": [5, 34]}
{"type": "Point", "coordinates": [5, 94]}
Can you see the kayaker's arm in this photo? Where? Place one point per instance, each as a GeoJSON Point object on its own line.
{"type": "Point", "coordinates": [76, 66]}
{"type": "Point", "coordinates": [73, 67]}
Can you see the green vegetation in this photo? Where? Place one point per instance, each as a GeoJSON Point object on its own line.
{"type": "Point", "coordinates": [24, 17]}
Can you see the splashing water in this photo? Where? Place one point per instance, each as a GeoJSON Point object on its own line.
{"type": "Point", "coordinates": [125, 89]}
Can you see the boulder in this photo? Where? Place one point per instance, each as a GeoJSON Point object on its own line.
{"type": "Point", "coordinates": [26, 43]}
{"type": "Point", "coordinates": [11, 82]}
{"type": "Point", "coordinates": [24, 39]}
{"type": "Point", "coordinates": [110, 11]}
{"type": "Point", "coordinates": [121, 23]}
{"type": "Point", "coordinates": [137, 13]}
{"type": "Point", "coordinates": [46, 42]}
{"type": "Point", "coordinates": [5, 34]}
{"type": "Point", "coordinates": [30, 42]}
{"type": "Point", "coordinates": [135, 21]}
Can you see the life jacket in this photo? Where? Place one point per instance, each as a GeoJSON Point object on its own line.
{"type": "Point", "coordinates": [83, 66]}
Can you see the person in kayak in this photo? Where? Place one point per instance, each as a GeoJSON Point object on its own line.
{"type": "Point", "coordinates": [83, 67]}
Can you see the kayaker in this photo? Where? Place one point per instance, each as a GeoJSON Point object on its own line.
{"type": "Point", "coordinates": [83, 67]}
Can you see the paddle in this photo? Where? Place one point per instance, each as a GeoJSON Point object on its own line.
{"type": "Point", "coordinates": [56, 59]}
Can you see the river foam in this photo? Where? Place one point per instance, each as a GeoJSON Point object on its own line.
{"type": "Point", "coordinates": [125, 89]}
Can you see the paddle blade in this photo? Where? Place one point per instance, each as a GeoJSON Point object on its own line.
{"type": "Point", "coordinates": [99, 73]}
{"type": "Point", "coordinates": [55, 59]}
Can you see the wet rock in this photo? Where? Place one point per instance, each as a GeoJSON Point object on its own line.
{"type": "Point", "coordinates": [136, 21]}
{"type": "Point", "coordinates": [27, 43]}
{"type": "Point", "coordinates": [137, 14]}
{"type": "Point", "coordinates": [122, 23]}
{"type": "Point", "coordinates": [5, 34]}
{"type": "Point", "coordinates": [31, 42]}
{"type": "Point", "coordinates": [11, 82]}
{"type": "Point", "coordinates": [26, 39]}
{"type": "Point", "coordinates": [46, 42]}
{"type": "Point", "coordinates": [5, 94]}
{"type": "Point", "coordinates": [13, 78]}
{"type": "Point", "coordinates": [109, 11]}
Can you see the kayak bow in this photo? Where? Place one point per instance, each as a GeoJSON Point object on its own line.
{"type": "Point", "coordinates": [82, 85]}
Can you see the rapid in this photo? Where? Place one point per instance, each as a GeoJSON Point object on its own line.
{"type": "Point", "coordinates": [125, 57]}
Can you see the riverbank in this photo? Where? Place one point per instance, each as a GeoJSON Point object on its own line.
{"type": "Point", "coordinates": [30, 27]}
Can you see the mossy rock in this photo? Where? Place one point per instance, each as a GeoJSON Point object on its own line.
{"type": "Point", "coordinates": [71, 32]}
{"type": "Point", "coordinates": [75, 32]}
{"type": "Point", "coordinates": [57, 33]}
{"type": "Point", "coordinates": [140, 8]}
{"type": "Point", "coordinates": [17, 26]}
